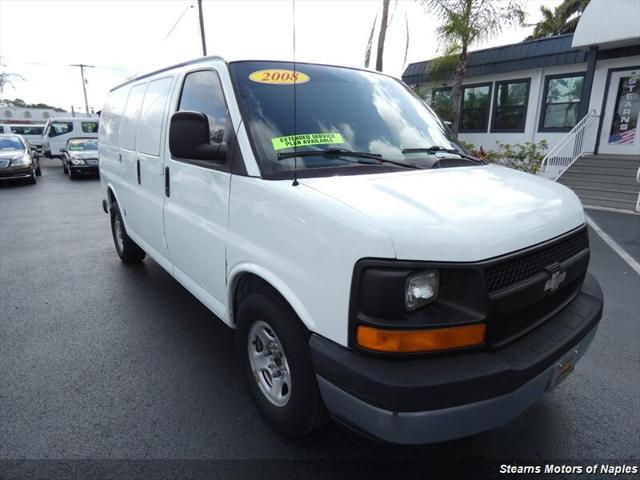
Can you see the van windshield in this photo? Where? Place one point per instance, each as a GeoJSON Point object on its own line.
{"type": "Point", "coordinates": [337, 109]}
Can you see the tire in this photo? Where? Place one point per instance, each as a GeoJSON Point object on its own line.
{"type": "Point", "coordinates": [295, 408]}
{"type": "Point", "coordinates": [128, 251]}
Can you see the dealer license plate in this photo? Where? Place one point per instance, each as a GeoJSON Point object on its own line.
{"type": "Point", "coordinates": [563, 369]}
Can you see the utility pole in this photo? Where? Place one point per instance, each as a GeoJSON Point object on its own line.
{"type": "Point", "coordinates": [204, 42]}
{"type": "Point", "coordinates": [84, 84]}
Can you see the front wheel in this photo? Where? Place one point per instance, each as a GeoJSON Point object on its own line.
{"type": "Point", "coordinates": [127, 249]}
{"type": "Point", "coordinates": [274, 352]}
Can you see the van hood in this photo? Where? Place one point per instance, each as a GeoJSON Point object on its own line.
{"type": "Point", "coordinates": [460, 214]}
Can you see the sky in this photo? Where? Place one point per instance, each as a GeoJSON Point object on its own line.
{"type": "Point", "coordinates": [40, 39]}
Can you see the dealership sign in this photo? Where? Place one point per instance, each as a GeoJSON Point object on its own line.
{"type": "Point", "coordinates": [625, 115]}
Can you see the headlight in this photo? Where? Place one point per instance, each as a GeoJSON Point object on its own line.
{"type": "Point", "coordinates": [77, 161]}
{"type": "Point", "coordinates": [21, 160]}
{"type": "Point", "coordinates": [421, 289]}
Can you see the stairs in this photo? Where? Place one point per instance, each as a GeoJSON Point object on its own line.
{"type": "Point", "coordinates": [604, 180]}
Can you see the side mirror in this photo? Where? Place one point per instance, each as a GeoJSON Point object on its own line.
{"type": "Point", "coordinates": [189, 138]}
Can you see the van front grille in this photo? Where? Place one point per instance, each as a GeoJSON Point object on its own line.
{"type": "Point", "coordinates": [514, 270]}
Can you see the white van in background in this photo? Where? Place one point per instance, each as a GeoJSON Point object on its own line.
{"type": "Point", "coordinates": [372, 269]}
{"type": "Point", "coordinates": [60, 129]}
{"type": "Point", "coordinates": [31, 133]}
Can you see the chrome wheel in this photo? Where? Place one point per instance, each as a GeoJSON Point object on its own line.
{"type": "Point", "coordinates": [119, 233]}
{"type": "Point", "coordinates": [269, 363]}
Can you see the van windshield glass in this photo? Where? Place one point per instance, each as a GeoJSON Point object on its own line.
{"type": "Point", "coordinates": [337, 108]}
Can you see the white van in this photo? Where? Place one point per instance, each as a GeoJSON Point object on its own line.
{"type": "Point", "coordinates": [373, 271]}
{"type": "Point", "coordinates": [31, 133]}
{"type": "Point", "coordinates": [60, 129]}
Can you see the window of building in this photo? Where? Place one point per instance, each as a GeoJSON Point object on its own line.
{"type": "Point", "coordinates": [476, 101]}
{"type": "Point", "coordinates": [561, 107]}
{"type": "Point", "coordinates": [45, 114]}
{"type": "Point", "coordinates": [7, 113]}
{"type": "Point", "coordinates": [442, 103]}
{"type": "Point", "coordinates": [27, 114]}
{"type": "Point", "coordinates": [202, 92]}
{"type": "Point", "coordinates": [510, 106]}
{"type": "Point", "coordinates": [60, 128]}
{"type": "Point", "coordinates": [89, 127]}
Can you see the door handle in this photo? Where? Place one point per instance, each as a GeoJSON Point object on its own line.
{"type": "Point", "coordinates": [138, 171]}
{"type": "Point", "coordinates": [119, 157]}
{"type": "Point", "coordinates": [167, 183]}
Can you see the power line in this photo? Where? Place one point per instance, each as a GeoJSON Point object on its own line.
{"type": "Point", "coordinates": [177, 22]}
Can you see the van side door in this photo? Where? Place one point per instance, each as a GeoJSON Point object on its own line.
{"type": "Point", "coordinates": [145, 214]}
{"type": "Point", "coordinates": [197, 196]}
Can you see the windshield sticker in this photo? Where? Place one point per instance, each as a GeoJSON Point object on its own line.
{"type": "Point", "coordinates": [279, 77]}
{"type": "Point", "coordinates": [280, 143]}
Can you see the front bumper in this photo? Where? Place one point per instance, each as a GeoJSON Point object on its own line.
{"type": "Point", "coordinates": [432, 399]}
{"type": "Point", "coordinates": [84, 169]}
{"type": "Point", "coordinates": [14, 173]}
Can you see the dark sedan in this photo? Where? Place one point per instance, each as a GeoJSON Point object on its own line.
{"type": "Point", "coordinates": [80, 157]}
{"type": "Point", "coordinates": [17, 160]}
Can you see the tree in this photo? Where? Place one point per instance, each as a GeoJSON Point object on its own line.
{"type": "Point", "coordinates": [465, 23]}
{"type": "Point", "coordinates": [563, 19]}
{"type": "Point", "coordinates": [5, 78]}
{"type": "Point", "coordinates": [382, 34]}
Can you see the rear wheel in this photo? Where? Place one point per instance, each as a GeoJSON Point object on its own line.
{"type": "Point", "coordinates": [274, 352]}
{"type": "Point", "coordinates": [127, 249]}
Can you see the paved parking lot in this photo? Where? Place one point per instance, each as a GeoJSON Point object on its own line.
{"type": "Point", "coordinates": [103, 361]}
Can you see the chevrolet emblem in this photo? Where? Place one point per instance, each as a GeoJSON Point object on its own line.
{"type": "Point", "coordinates": [557, 277]}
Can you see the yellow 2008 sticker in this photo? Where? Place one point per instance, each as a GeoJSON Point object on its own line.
{"type": "Point", "coordinates": [279, 77]}
{"type": "Point", "coordinates": [280, 143]}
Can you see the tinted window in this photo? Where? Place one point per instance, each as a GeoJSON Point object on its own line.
{"type": "Point", "coordinates": [335, 108]}
{"type": "Point", "coordinates": [475, 108]}
{"type": "Point", "coordinates": [131, 114]}
{"type": "Point", "coordinates": [153, 108]}
{"type": "Point", "coordinates": [511, 105]}
{"type": "Point", "coordinates": [562, 102]}
{"type": "Point", "coordinates": [202, 92]}
{"type": "Point", "coordinates": [89, 127]}
{"type": "Point", "coordinates": [60, 128]}
{"type": "Point", "coordinates": [442, 103]}
{"type": "Point", "coordinates": [26, 130]}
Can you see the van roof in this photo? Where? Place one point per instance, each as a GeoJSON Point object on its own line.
{"type": "Point", "coordinates": [165, 69]}
{"type": "Point", "coordinates": [216, 57]}
{"type": "Point", "coordinates": [70, 119]}
{"type": "Point", "coordinates": [22, 124]}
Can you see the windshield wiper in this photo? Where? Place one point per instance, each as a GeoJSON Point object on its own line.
{"type": "Point", "coordinates": [343, 152]}
{"type": "Point", "coordinates": [438, 148]}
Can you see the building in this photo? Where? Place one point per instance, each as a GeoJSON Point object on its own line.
{"type": "Point", "coordinates": [580, 92]}
{"type": "Point", "coordinates": [27, 115]}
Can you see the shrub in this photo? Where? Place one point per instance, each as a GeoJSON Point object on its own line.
{"type": "Point", "coordinates": [526, 157]}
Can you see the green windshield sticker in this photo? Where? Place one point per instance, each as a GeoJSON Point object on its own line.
{"type": "Point", "coordinates": [280, 143]}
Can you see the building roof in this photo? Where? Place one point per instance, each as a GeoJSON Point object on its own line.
{"type": "Point", "coordinates": [539, 53]}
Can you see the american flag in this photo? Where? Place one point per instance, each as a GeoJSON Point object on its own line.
{"type": "Point", "coordinates": [625, 138]}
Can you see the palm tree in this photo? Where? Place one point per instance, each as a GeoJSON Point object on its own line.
{"type": "Point", "coordinates": [465, 23]}
{"type": "Point", "coordinates": [563, 19]}
{"type": "Point", "coordinates": [383, 34]}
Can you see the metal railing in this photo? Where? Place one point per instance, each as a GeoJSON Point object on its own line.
{"type": "Point", "coordinates": [638, 201]}
{"type": "Point", "coordinates": [580, 140]}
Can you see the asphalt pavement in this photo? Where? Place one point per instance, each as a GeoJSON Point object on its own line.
{"type": "Point", "coordinates": [104, 361]}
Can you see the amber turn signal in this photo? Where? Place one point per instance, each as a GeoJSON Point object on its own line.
{"type": "Point", "coordinates": [412, 341]}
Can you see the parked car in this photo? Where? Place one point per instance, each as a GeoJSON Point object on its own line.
{"type": "Point", "coordinates": [59, 130]}
{"type": "Point", "coordinates": [373, 271]}
{"type": "Point", "coordinates": [17, 159]}
{"type": "Point", "coordinates": [31, 133]}
{"type": "Point", "coordinates": [80, 157]}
